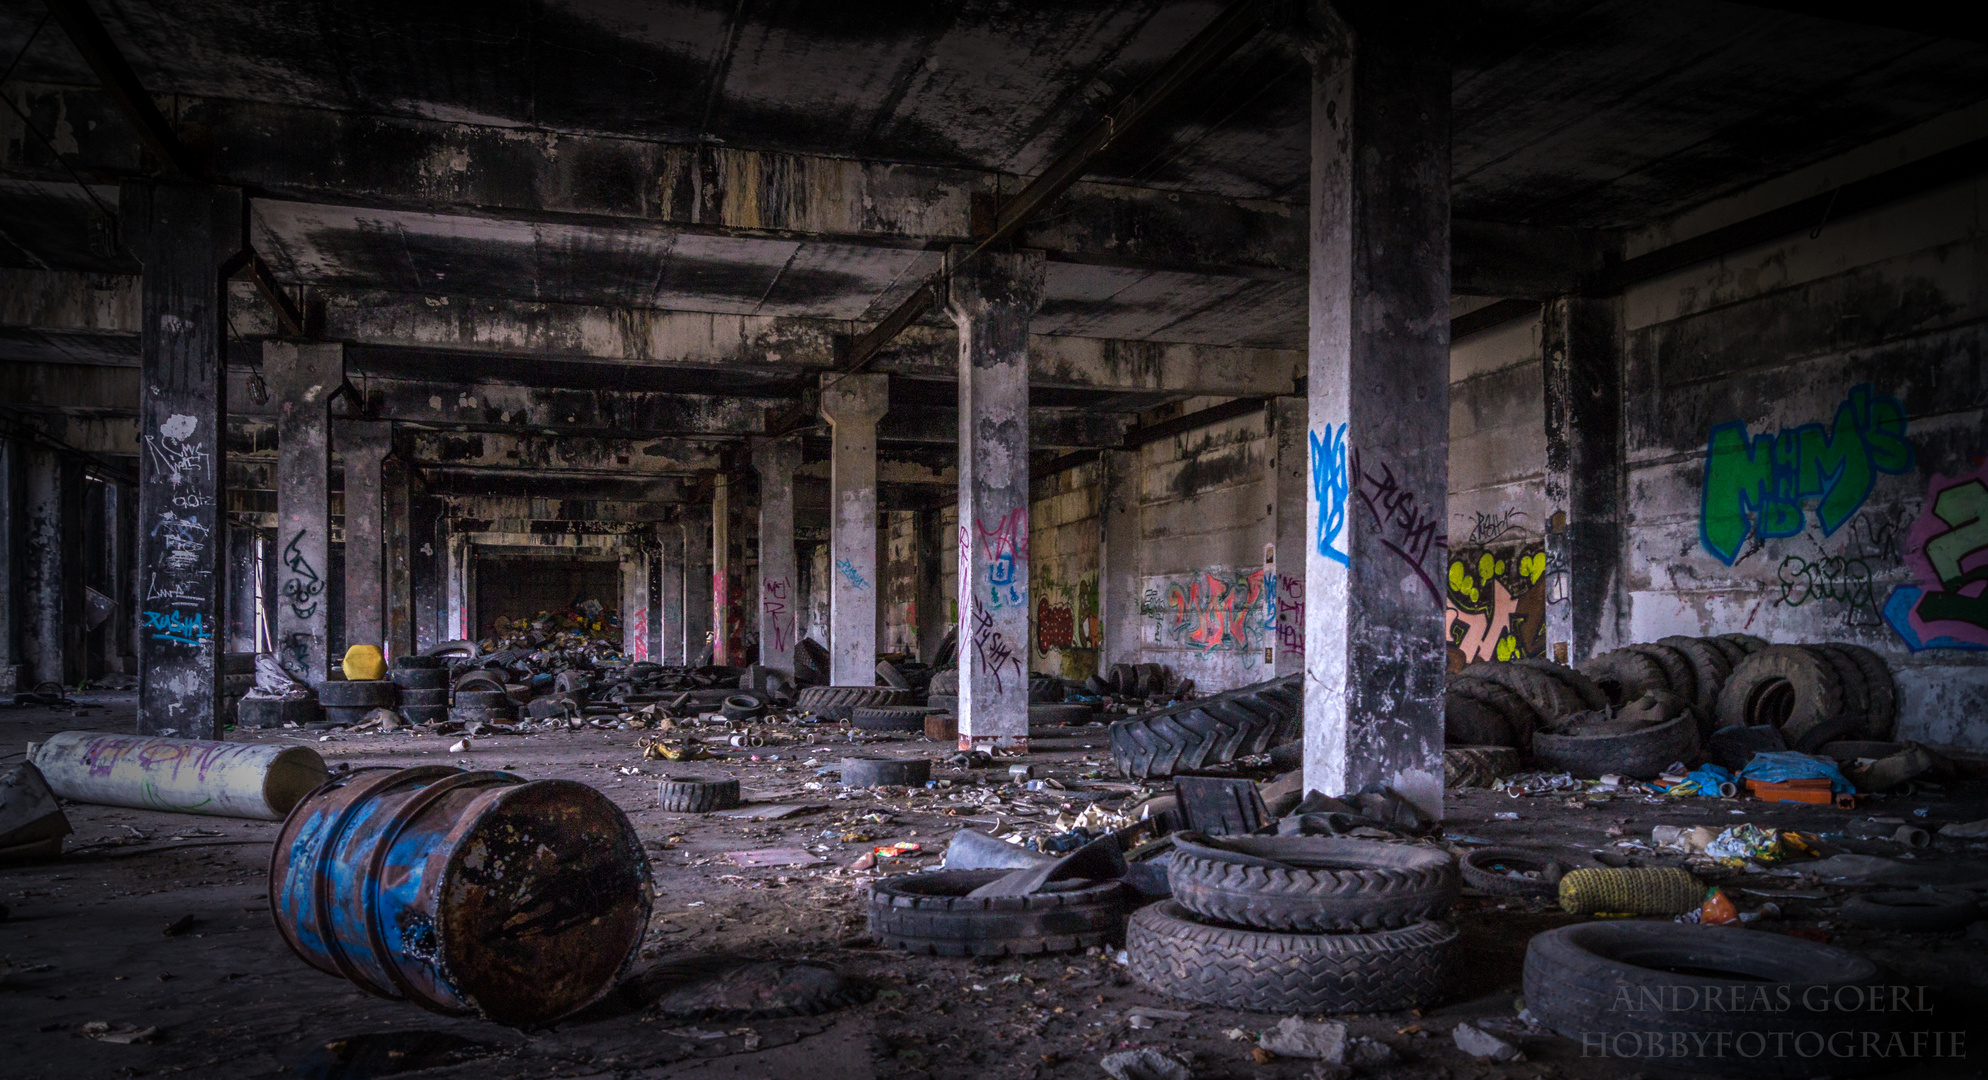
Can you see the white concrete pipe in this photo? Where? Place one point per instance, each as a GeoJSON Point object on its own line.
{"type": "Point", "coordinates": [188, 776]}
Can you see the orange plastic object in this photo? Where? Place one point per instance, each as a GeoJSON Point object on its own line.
{"type": "Point", "coordinates": [1718, 909]}
{"type": "Point", "coordinates": [1802, 791]}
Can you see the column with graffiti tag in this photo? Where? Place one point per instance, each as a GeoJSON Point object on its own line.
{"type": "Point", "coordinates": [992, 297]}
{"type": "Point", "coordinates": [1378, 438]}
{"type": "Point", "coordinates": [775, 460]}
{"type": "Point", "coordinates": [302, 378]}
{"type": "Point", "coordinates": [853, 404]}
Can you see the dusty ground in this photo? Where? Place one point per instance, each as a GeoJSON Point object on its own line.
{"type": "Point", "coordinates": [85, 938]}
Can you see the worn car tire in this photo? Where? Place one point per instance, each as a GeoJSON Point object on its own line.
{"type": "Point", "coordinates": [1643, 753]}
{"type": "Point", "coordinates": [1709, 669]}
{"type": "Point", "coordinates": [743, 706]}
{"type": "Point", "coordinates": [1919, 911]}
{"type": "Point", "coordinates": [931, 913]}
{"type": "Point", "coordinates": [1327, 883]}
{"type": "Point", "coordinates": [1578, 979]}
{"type": "Point", "coordinates": [694, 795]}
{"type": "Point", "coordinates": [838, 702]}
{"type": "Point", "coordinates": [1625, 674]}
{"type": "Point", "coordinates": [357, 694]}
{"type": "Point", "coordinates": [1792, 689]}
{"type": "Point", "coordinates": [420, 678]}
{"type": "Point", "coordinates": [482, 699]}
{"type": "Point", "coordinates": [1470, 722]}
{"type": "Point", "coordinates": [1680, 677]}
{"type": "Point", "coordinates": [1209, 731]}
{"type": "Point", "coordinates": [1289, 974]}
{"type": "Point", "coordinates": [1521, 717]}
{"type": "Point", "coordinates": [1880, 691]}
{"type": "Point", "coordinates": [889, 718]}
{"type": "Point", "coordinates": [862, 772]}
{"type": "Point", "coordinates": [1484, 869]}
{"type": "Point", "coordinates": [1550, 698]}
{"type": "Point", "coordinates": [253, 712]}
{"type": "Point", "coordinates": [1591, 695]}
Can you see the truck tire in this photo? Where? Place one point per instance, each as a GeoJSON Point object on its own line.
{"type": "Point", "coordinates": [1880, 691]}
{"type": "Point", "coordinates": [889, 718]}
{"type": "Point", "coordinates": [695, 795]}
{"type": "Point", "coordinates": [1643, 753]}
{"type": "Point", "coordinates": [863, 772]}
{"type": "Point", "coordinates": [1209, 731]}
{"type": "Point", "coordinates": [838, 702]}
{"type": "Point", "coordinates": [1486, 870]}
{"type": "Point", "coordinates": [1325, 884]}
{"type": "Point", "coordinates": [1792, 689]}
{"type": "Point", "coordinates": [931, 913]}
{"type": "Point", "coordinates": [1625, 673]}
{"type": "Point", "coordinates": [1709, 669]}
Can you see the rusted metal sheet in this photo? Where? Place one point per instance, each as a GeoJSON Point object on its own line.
{"type": "Point", "coordinates": [188, 776]}
{"type": "Point", "coordinates": [464, 892]}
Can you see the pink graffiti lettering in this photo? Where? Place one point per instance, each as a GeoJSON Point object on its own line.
{"type": "Point", "coordinates": [1212, 613]}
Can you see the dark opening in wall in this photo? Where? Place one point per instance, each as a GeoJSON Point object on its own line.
{"type": "Point", "coordinates": [518, 585]}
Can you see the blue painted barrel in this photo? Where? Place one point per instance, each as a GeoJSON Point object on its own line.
{"type": "Point", "coordinates": [466, 892]}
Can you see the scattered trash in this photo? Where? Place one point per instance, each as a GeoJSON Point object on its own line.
{"type": "Point", "coordinates": [1483, 1045]}
{"type": "Point", "coordinates": [1684, 839]}
{"type": "Point", "coordinates": [1644, 891]}
{"type": "Point", "coordinates": [249, 780]}
{"type": "Point", "coordinates": [1144, 1063]}
{"type": "Point", "coordinates": [32, 823]}
{"type": "Point", "coordinates": [772, 857]}
{"type": "Point", "coordinates": [1966, 831]}
{"type": "Point", "coordinates": [897, 850]}
{"type": "Point", "coordinates": [1785, 765]}
{"type": "Point", "coordinates": [1717, 909]}
{"type": "Point", "coordinates": [121, 1034]}
{"type": "Point", "coordinates": [1743, 842]}
{"type": "Point", "coordinates": [460, 746]}
{"type": "Point", "coordinates": [1323, 1040]}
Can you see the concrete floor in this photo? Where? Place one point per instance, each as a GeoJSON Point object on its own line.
{"type": "Point", "coordinates": [85, 938]}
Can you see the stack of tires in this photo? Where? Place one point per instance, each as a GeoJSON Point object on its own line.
{"type": "Point", "coordinates": [424, 688]}
{"type": "Point", "coordinates": [1503, 703]}
{"type": "Point", "coordinates": [1209, 731]}
{"type": "Point", "coordinates": [1299, 925]}
{"type": "Point", "coordinates": [840, 703]}
{"type": "Point", "coordinates": [347, 701]}
{"type": "Point", "coordinates": [480, 698]}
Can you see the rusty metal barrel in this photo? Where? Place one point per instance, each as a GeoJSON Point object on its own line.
{"type": "Point", "coordinates": [469, 893]}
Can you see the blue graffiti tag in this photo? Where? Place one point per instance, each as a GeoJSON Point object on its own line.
{"type": "Point", "coordinates": [182, 627]}
{"type": "Point", "coordinates": [850, 574]}
{"type": "Point", "coordinates": [1756, 486]}
{"type": "Point", "coordinates": [1330, 489]}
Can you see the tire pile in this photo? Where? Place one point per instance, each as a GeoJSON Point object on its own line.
{"type": "Point", "coordinates": [1299, 925]}
{"type": "Point", "coordinates": [1209, 731]}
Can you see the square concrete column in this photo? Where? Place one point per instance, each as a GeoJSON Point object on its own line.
{"type": "Point", "coordinates": [362, 447]}
{"type": "Point", "coordinates": [52, 638]}
{"type": "Point", "coordinates": [187, 238]}
{"type": "Point", "coordinates": [635, 634]}
{"type": "Point", "coordinates": [12, 556]}
{"type": "Point", "coordinates": [724, 646]}
{"type": "Point", "coordinates": [426, 568]}
{"type": "Point", "coordinates": [397, 530]}
{"type": "Point", "coordinates": [242, 566]}
{"type": "Point", "coordinates": [696, 584]}
{"type": "Point", "coordinates": [1118, 557]}
{"type": "Point", "coordinates": [1379, 408]}
{"type": "Point", "coordinates": [460, 612]}
{"type": "Point", "coordinates": [670, 596]}
{"type": "Point", "coordinates": [775, 460]}
{"type": "Point", "coordinates": [991, 298]}
{"type": "Point", "coordinates": [301, 379]}
{"type": "Point", "coordinates": [1286, 421]}
{"type": "Point", "coordinates": [852, 405]}
{"type": "Point", "coordinates": [1581, 343]}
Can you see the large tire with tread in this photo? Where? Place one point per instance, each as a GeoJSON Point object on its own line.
{"type": "Point", "coordinates": [1880, 691]}
{"type": "Point", "coordinates": [693, 795]}
{"type": "Point", "coordinates": [810, 663]}
{"type": "Point", "coordinates": [1642, 754]}
{"type": "Point", "coordinates": [1520, 716]}
{"type": "Point", "coordinates": [1591, 695]}
{"type": "Point", "coordinates": [1478, 766]}
{"type": "Point", "coordinates": [1709, 669]}
{"type": "Point", "coordinates": [1625, 674]}
{"type": "Point", "coordinates": [839, 702]}
{"type": "Point", "coordinates": [1917, 911]}
{"type": "Point", "coordinates": [1680, 677]}
{"type": "Point", "coordinates": [1550, 698]}
{"type": "Point", "coordinates": [931, 913]}
{"type": "Point", "coordinates": [1289, 974]}
{"type": "Point", "coordinates": [1210, 730]}
{"type": "Point", "coordinates": [889, 718]}
{"type": "Point", "coordinates": [1326, 884]}
{"type": "Point", "coordinates": [1791, 688]}
{"type": "Point", "coordinates": [1578, 977]}
{"type": "Point", "coordinates": [357, 694]}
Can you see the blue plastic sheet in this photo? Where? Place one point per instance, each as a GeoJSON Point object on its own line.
{"type": "Point", "coordinates": [1782, 765]}
{"type": "Point", "coordinates": [1704, 780]}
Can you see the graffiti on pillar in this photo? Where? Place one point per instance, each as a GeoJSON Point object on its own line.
{"type": "Point", "coordinates": [1497, 605]}
{"type": "Point", "coordinates": [774, 620]}
{"type": "Point", "coordinates": [1007, 549]}
{"type": "Point", "coordinates": [1289, 593]}
{"type": "Point", "coordinates": [178, 584]}
{"type": "Point", "coordinates": [992, 651]}
{"type": "Point", "coordinates": [185, 628]}
{"type": "Point", "coordinates": [1407, 523]}
{"type": "Point", "coordinates": [1947, 549]}
{"type": "Point", "coordinates": [301, 586]}
{"type": "Point", "coordinates": [851, 574]}
{"type": "Point", "coordinates": [1330, 490]}
{"type": "Point", "coordinates": [1213, 610]}
{"type": "Point", "coordinates": [176, 455]}
{"type": "Point", "coordinates": [639, 627]}
{"type": "Point", "coordinates": [1758, 486]}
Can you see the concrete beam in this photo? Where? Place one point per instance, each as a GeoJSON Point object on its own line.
{"type": "Point", "coordinates": [564, 454]}
{"type": "Point", "coordinates": [1048, 428]}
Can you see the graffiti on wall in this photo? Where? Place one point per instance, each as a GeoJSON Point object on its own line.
{"type": "Point", "coordinates": [1289, 591]}
{"type": "Point", "coordinates": [1757, 486]}
{"type": "Point", "coordinates": [1007, 550]}
{"type": "Point", "coordinates": [1497, 606]}
{"type": "Point", "coordinates": [1066, 616]}
{"type": "Point", "coordinates": [1947, 549]}
{"type": "Point", "coordinates": [1214, 610]}
{"type": "Point", "coordinates": [992, 651]}
{"type": "Point", "coordinates": [851, 574]}
{"type": "Point", "coordinates": [1845, 580]}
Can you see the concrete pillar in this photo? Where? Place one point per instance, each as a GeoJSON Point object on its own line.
{"type": "Point", "coordinates": [362, 447]}
{"type": "Point", "coordinates": [186, 238]}
{"type": "Point", "coordinates": [724, 649]}
{"type": "Point", "coordinates": [653, 561]}
{"type": "Point", "coordinates": [853, 404]}
{"type": "Point", "coordinates": [779, 579]}
{"type": "Point", "coordinates": [242, 568]}
{"type": "Point", "coordinates": [460, 612]}
{"type": "Point", "coordinates": [674, 631]}
{"type": "Point", "coordinates": [935, 560]}
{"type": "Point", "coordinates": [696, 584]}
{"type": "Point", "coordinates": [12, 555]}
{"type": "Point", "coordinates": [396, 527]}
{"type": "Point", "coordinates": [1581, 342]}
{"type": "Point", "coordinates": [120, 523]}
{"type": "Point", "coordinates": [301, 378]}
{"type": "Point", "coordinates": [635, 631]}
{"type": "Point", "coordinates": [991, 298]}
{"type": "Point", "coordinates": [1118, 557]}
{"type": "Point", "coordinates": [426, 571]}
{"type": "Point", "coordinates": [52, 637]}
{"type": "Point", "coordinates": [1379, 408]}
{"type": "Point", "coordinates": [1285, 420]}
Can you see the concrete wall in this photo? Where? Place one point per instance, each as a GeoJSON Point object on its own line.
{"type": "Point", "coordinates": [1860, 349]}
{"type": "Point", "coordinates": [1064, 626]}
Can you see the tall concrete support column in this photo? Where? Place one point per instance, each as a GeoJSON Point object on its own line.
{"type": "Point", "coordinates": [654, 562]}
{"type": "Point", "coordinates": [852, 405]}
{"type": "Point", "coordinates": [1284, 558]}
{"type": "Point", "coordinates": [12, 555]}
{"type": "Point", "coordinates": [674, 632]}
{"type": "Point", "coordinates": [188, 239]}
{"type": "Point", "coordinates": [1118, 557]}
{"type": "Point", "coordinates": [723, 646]}
{"type": "Point", "coordinates": [935, 561]}
{"type": "Point", "coordinates": [426, 574]}
{"type": "Point", "coordinates": [779, 599]}
{"type": "Point", "coordinates": [53, 578]}
{"type": "Point", "coordinates": [460, 617]}
{"type": "Point", "coordinates": [242, 566]}
{"type": "Point", "coordinates": [1379, 410]}
{"type": "Point", "coordinates": [1581, 341]}
{"type": "Point", "coordinates": [991, 298]}
{"type": "Point", "coordinates": [301, 379]}
{"type": "Point", "coordinates": [397, 530]}
{"type": "Point", "coordinates": [696, 583]}
{"type": "Point", "coordinates": [635, 634]}
{"type": "Point", "coordinates": [363, 446]}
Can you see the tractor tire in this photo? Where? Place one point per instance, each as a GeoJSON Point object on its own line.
{"type": "Point", "coordinates": [838, 702]}
{"type": "Point", "coordinates": [1209, 731]}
